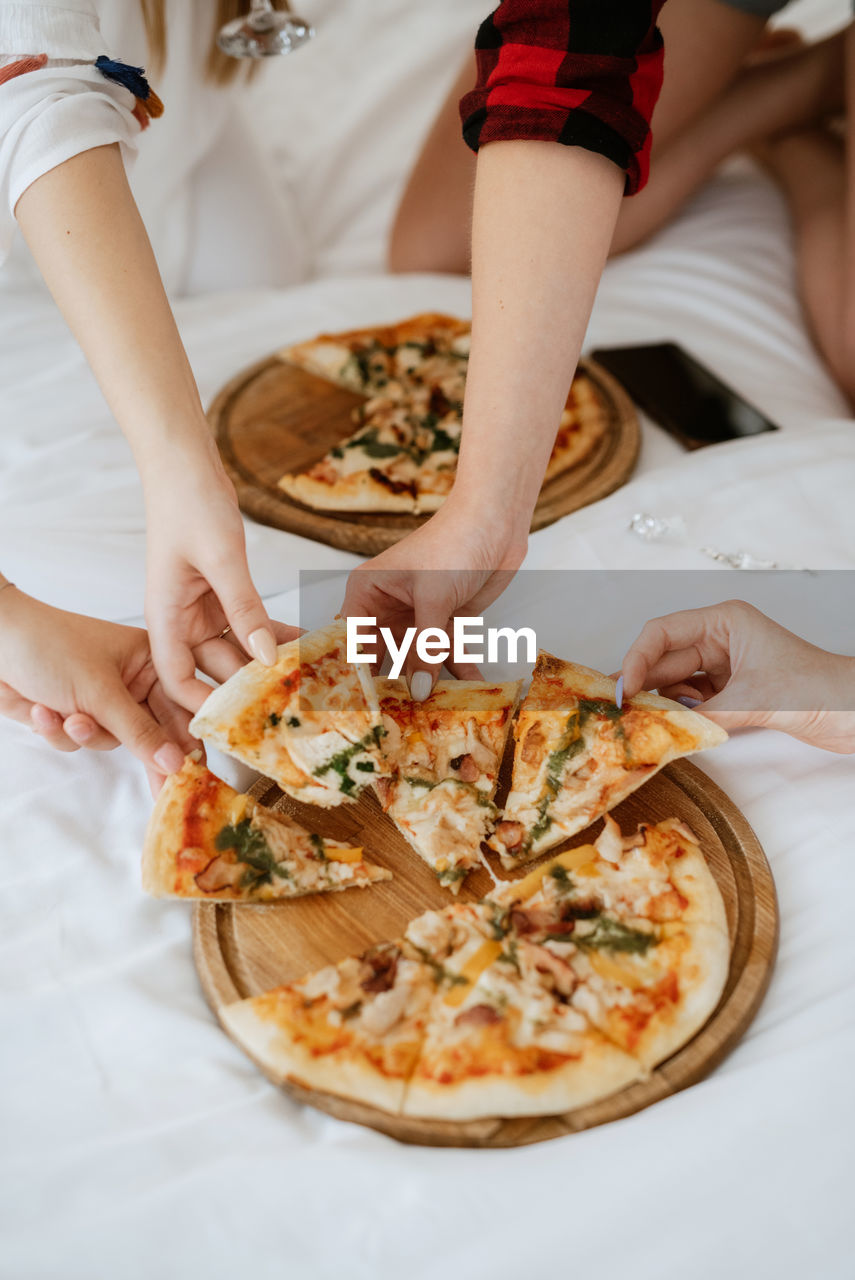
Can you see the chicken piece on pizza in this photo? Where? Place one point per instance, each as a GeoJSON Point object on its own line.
{"type": "Point", "coordinates": [578, 754]}
{"type": "Point", "coordinates": [206, 840]}
{"type": "Point", "coordinates": [499, 1041]}
{"type": "Point", "coordinates": [310, 722]}
{"type": "Point", "coordinates": [444, 755]}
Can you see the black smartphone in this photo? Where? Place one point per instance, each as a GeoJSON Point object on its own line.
{"type": "Point", "coordinates": [682, 395]}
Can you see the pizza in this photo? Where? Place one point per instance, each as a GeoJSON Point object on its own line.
{"type": "Point", "coordinates": [206, 840]}
{"type": "Point", "coordinates": [403, 454]}
{"type": "Point", "coordinates": [577, 754]}
{"type": "Point", "coordinates": [311, 722]}
{"type": "Point", "coordinates": [560, 988]}
{"type": "Point", "coordinates": [353, 1029]}
{"type": "Point", "coordinates": [444, 756]}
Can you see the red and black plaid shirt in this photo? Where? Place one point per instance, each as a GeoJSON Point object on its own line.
{"type": "Point", "coordinates": [585, 73]}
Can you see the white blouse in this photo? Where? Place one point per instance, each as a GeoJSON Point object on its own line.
{"type": "Point", "coordinates": [214, 218]}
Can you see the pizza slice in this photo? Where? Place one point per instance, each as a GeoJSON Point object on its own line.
{"type": "Point", "coordinates": [499, 1041]}
{"type": "Point", "coordinates": [403, 455]}
{"type": "Point", "coordinates": [370, 359]}
{"type": "Point", "coordinates": [578, 754]}
{"type": "Point", "coordinates": [353, 1029]}
{"type": "Point", "coordinates": [310, 722]}
{"type": "Point", "coordinates": [206, 840]}
{"type": "Point", "coordinates": [444, 755]}
{"type": "Point", "coordinates": [633, 937]}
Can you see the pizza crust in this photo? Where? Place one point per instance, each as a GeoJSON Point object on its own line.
{"type": "Point", "coordinates": [602, 1069]}
{"type": "Point", "coordinates": [358, 491]}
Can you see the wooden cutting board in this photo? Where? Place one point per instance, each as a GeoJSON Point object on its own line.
{"type": "Point", "coordinates": [243, 951]}
{"type": "Point", "coordinates": [272, 418]}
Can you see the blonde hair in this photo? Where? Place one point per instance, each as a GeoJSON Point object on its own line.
{"type": "Point", "coordinates": [219, 67]}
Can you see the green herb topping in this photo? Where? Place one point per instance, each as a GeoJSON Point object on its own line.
{"type": "Point", "coordinates": [251, 847]}
{"type": "Point", "coordinates": [340, 763]}
{"type": "Point", "coordinates": [611, 935]}
{"type": "Point", "coordinates": [498, 921]}
{"type": "Point", "coordinates": [452, 875]}
{"type": "Point", "coordinates": [561, 876]}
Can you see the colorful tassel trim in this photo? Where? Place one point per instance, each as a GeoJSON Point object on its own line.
{"type": "Point", "coordinates": [22, 66]}
{"type": "Point", "coordinates": [148, 105]}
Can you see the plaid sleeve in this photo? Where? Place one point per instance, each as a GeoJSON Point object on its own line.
{"type": "Point", "coordinates": [584, 73]}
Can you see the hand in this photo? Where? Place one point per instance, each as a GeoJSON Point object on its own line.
{"type": "Point", "coordinates": [82, 682]}
{"type": "Point", "coordinates": [199, 583]}
{"type": "Point", "coordinates": [456, 563]}
{"type": "Point", "coordinates": [744, 669]}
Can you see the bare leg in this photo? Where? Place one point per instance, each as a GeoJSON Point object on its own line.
{"type": "Point", "coordinates": [810, 167]}
{"type": "Point", "coordinates": [776, 95]}
{"type": "Point", "coordinates": [432, 228]}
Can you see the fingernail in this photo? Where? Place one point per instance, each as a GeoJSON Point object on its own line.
{"type": "Point", "coordinates": [262, 646]}
{"type": "Point", "coordinates": [80, 732]}
{"type": "Point", "coordinates": [691, 703]}
{"type": "Point", "coordinates": [169, 758]}
{"type": "Point", "coordinates": [619, 693]}
{"type": "Point", "coordinates": [420, 686]}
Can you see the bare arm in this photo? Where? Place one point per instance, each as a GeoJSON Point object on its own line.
{"type": "Point", "coordinates": [543, 220]}
{"type": "Point", "coordinates": [85, 232]}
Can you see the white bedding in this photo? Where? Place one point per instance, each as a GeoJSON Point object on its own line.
{"type": "Point", "coordinates": [135, 1140]}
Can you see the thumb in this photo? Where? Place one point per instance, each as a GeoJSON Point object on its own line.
{"type": "Point", "coordinates": [431, 609]}
{"type": "Point", "coordinates": [137, 729]}
{"type": "Point", "coordinates": [245, 613]}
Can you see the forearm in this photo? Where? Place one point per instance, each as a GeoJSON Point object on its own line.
{"type": "Point", "coordinates": [86, 235]}
{"type": "Point", "coordinates": [542, 224]}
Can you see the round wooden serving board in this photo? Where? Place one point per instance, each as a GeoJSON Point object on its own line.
{"type": "Point", "coordinates": [273, 418]}
{"type": "Point", "coordinates": [243, 951]}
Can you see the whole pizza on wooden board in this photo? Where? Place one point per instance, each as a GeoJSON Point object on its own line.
{"type": "Point", "coordinates": [403, 455]}
{"type": "Point", "coordinates": [559, 987]}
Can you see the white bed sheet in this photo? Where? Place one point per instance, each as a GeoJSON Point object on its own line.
{"type": "Point", "coordinates": [136, 1141]}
